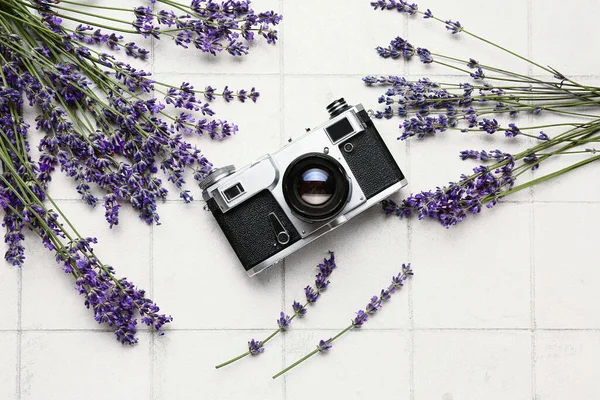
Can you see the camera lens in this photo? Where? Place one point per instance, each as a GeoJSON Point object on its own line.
{"type": "Point", "coordinates": [316, 187]}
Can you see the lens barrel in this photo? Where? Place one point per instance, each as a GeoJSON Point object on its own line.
{"type": "Point", "coordinates": [315, 187]}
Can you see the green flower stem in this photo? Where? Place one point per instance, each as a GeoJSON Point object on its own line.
{"type": "Point", "coordinates": [547, 69]}
{"type": "Point", "coordinates": [312, 353]}
{"type": "Point", "coordinates": [96, 6]}
{"type": "Point", "coordinates": [555, 85]}
{"type": "Point", "coordinates": [549, 176]}
{"type": "Point", "coordinates": [105, 17]}
{"type": "Point", "coordinates": [493, 44]}
{"type": "Point", "coordinates": [569, 136]}
{"type": "Point", "coordinates": [263, 342]}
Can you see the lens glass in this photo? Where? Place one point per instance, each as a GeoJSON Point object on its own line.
{"type": "Point", "coordinates": [316, 186]}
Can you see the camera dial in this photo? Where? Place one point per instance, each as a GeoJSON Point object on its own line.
{"type": "Point", "coordinates": [216, 175]}
{"type": "Point", "coordinates": [316, 187]}
{"type": "Point", "coordinates": [337, 107]}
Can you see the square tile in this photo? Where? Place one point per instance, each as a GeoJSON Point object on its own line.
{"type": "Point", "coordinates": [465, 365]}
{"type": "Point", "coordinates": [95, 357]}
{"type": "Point", "coordinates": [339, 38]}
{"type": "Point", "coordinates": [201, 351]}
{"type": "Point", "coordinates": [476, 274]}
{"type": "Point", "coordinates": [195, 266]}
{"type": "Point", "coordinates": [370, 249]}
{"type": "Point", "coordinates": [546, 39]}
{"type": "Point", "coordinates": [50, 300]}
{"type": "Point", "coordinates": [8, 366]}
{"type": "Point", "coordinates": [566, 365]}
{"type": "Point", "coordinates": [262, 57]}
{"type": "Point", "coordinates": [566, 274]}
{"type": "Point", "coordinates": [361, 365]}
{"type": "Point", "coordinates": [433, 35]}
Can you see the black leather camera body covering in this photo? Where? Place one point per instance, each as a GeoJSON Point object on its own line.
{"type": "Point", "coordinates": [370, 160]}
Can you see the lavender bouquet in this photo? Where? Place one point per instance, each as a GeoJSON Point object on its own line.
{"type": "Point", "coordinates": [427, 108]}
{"type": "Point", "coordinates": [99, 124]}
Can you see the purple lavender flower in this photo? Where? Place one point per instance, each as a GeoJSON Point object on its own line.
{"type": "Point", "coordinates": [450, 205]}
{"type": "Point", "coordinates": [489, 125]}
{"type": "Point", "coordinates": [360, 319]}
{"type": "Point", "coordinates": [255, 347]}
{"type": "Point", "coordinates": [428, 14]}
{"type": "Point", "coordinates": [454, 26]}
{"type": "Point", "coordinates": [532, 159]}
{"type": "Point", "coordinates": [311, 294]}
{"type": "Point", "coordinates": [324, 345]}
{"type": "Point", "coordinates": [513, 131]}
{"type": "Point", "coordinates": [424, 55]}
{"type": "Point", "coordinates": [478, 74]}
{"type": "Point", "coordinates": [373, 305]}
{"type": "Point", "coordinates": [385, 294]}
{"type": "Point", "coordinates": [473, 63]}
{"type": "Point", "coordinates": [398, 280]}
{"type": "Point", "coordinates": [299, 309]}
{"type": "Point", "coordinates": [543, 136]}
{"type": "Point", "coordinates": [284, 321]}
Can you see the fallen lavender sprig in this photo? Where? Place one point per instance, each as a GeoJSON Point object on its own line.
{"type": "Point", "coordinates": [256, 347]}
{"type": "Point", "coordinates": [361, 316]}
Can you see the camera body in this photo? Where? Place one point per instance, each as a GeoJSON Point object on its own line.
{"type": "Point", "coordinates": [285, 200]}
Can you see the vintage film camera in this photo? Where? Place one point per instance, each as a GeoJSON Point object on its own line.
{"type": "Point", "coordinates": [283, 201]}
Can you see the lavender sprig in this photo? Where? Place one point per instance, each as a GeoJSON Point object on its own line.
{"type": "Point", "coordinates": [325, 268]}
{"type": "Point", "coordinates": [361, 316]}
{"type": "Point", "coordinates": [428, 108]}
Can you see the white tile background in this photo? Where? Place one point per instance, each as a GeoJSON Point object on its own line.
{"type": "Point", "coordinates": [504, 306]}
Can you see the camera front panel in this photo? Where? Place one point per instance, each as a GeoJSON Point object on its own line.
{"type": "Point", "coordinates": [369, 159]}
{"type": "Point", "coordinates": [257, 229]}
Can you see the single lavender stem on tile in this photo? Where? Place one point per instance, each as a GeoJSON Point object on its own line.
{"type": "Point", "coordinates": [361, 316]}
{"type": "Point", "coordinates": [256, 347]}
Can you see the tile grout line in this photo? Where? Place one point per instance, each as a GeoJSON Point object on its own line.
{"type": "Point", "coordinates": [19, 331]}
{"type": "Point", "coordinates": [282, 141]}
{"type": "Point", "coordinates": [532, 294]}
{"type": "Point", "coordinates": [152, 334]}
{"type": "Point", "coordinates": [151, 245]}
{"type": "Point", "coordinates": [531, 224]}
{"type": "Point", "coordinates": [565, 202]}
{"type": "Point", "coordinates": [411, 321]}
{"type": "Point", "coordinates": [346, 75]}
{"type": "Point", "coordinates": [270, 329]}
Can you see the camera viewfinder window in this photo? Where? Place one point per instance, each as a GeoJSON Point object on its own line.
{"type": "Point", "coordinates": [339, 129]}
{"type": "Point", "coordinates": [233, 191]}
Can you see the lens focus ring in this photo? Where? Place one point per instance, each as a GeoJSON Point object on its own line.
{"type": "Point", "coordinates": [316, 187]}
